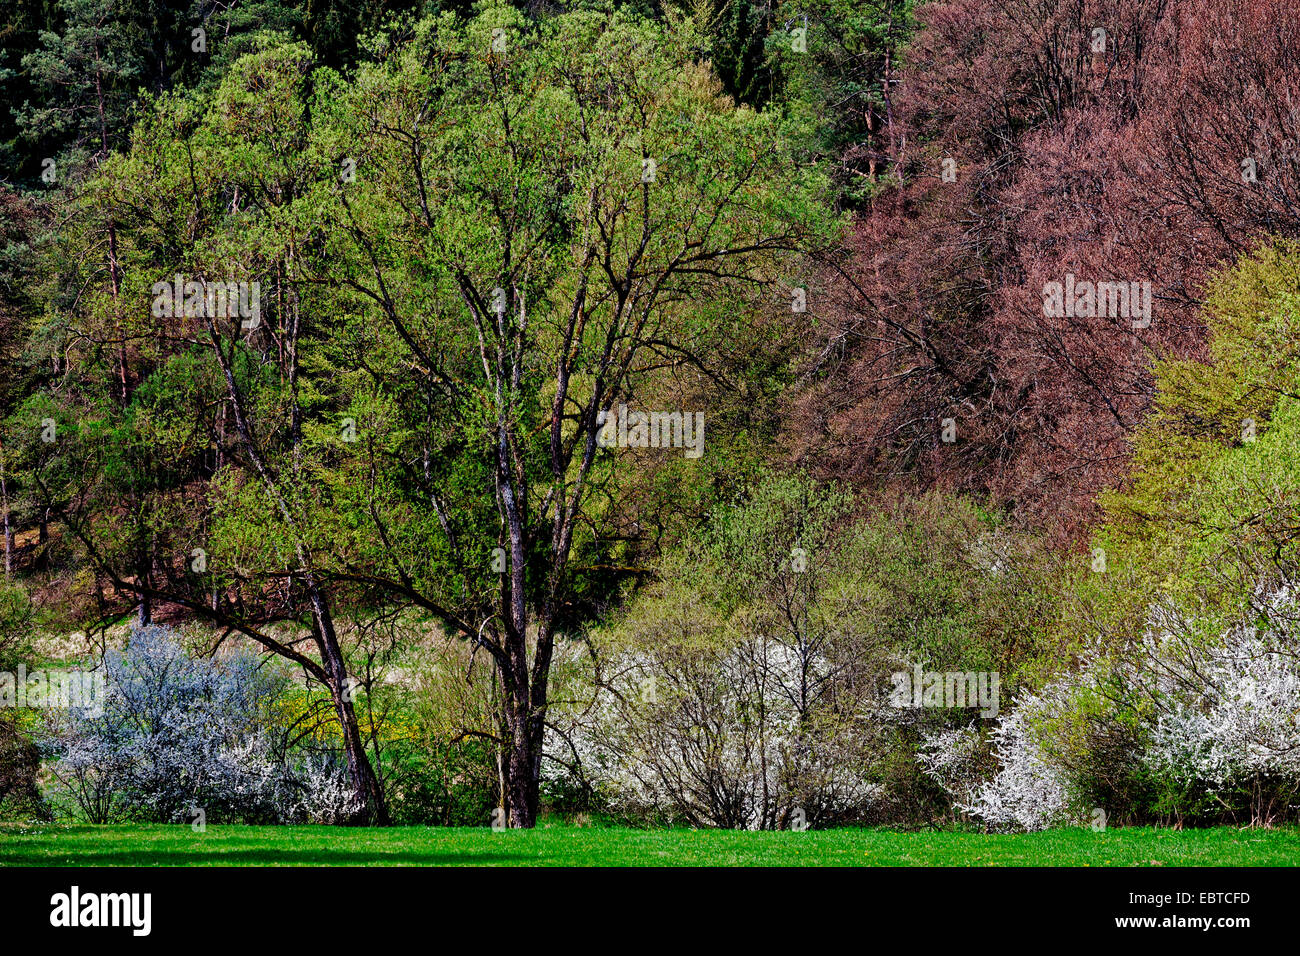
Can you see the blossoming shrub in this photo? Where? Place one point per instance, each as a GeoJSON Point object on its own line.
{"type": "Point", "coordinates": [1178, 729]}
{"type": "Point", "coordinates": [749, 685]}
{"type": "Point", "coordinates": [177, 736]}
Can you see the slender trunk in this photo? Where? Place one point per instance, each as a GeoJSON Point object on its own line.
{"type": "Point", "coordinates": [365, 783]}
{"type": "Point", "coordinates": [503, 735]}
{"type": "Point", "coordinates": [146, 606]}
{"type": "Point", "coordinates": [889, 104]}
{"type": "Point", "coordinates": [122, 374]}
{"type": "Point", "coordinates": [373, 810]}
{"type": "Point", "coordinates": [144, 576]}
{"type": "Point", "coordinates": [521, 787]}
{"type": "Point", "coordinates": [113, 267]}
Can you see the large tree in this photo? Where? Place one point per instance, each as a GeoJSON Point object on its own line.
{"type": "Point", "coordinates": [496, 233]}
{"type": "Point", "coordinates": [535, 224]}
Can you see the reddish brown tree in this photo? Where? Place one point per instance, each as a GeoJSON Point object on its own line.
{"type": "Point", "coordinates": [1102, 140]}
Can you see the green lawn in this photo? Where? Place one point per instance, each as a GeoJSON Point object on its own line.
{"type": "Point", "coordinates": [565, 845]}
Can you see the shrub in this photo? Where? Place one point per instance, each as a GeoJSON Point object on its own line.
{"type": "Point", "coordinates": [179, 734]}
{"type": "Point", "coordinates": [1028, 792]}
{"type": "Point", "coordinates": [747, 686]}
{"type": "Point", "coordinates": [1176, 727]}
{"type": "Point", "coordinates": [1228, 729]}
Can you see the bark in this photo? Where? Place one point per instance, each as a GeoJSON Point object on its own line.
{"type": "Point", "coordinates": [522, 763]}
{"type": "Point", "coordinates": [370, 795]}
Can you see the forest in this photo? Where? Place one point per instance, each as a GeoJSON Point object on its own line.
{"type": "Point", "coordinates": [722, 414]}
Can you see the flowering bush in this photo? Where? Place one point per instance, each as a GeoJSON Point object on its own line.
{"type": "Point", "coordinates": [1229, 724]}
{"type": "Point", "coordinates": [954, 758]}
{"type": "Point", "coordinates": [708, 734]}
{"type": "Point", "coordinates": [1029, 791]}
{"type": "Point", "coordinates": [178, 735]}
{"type": "Point", "coordinates": [1208, 728]}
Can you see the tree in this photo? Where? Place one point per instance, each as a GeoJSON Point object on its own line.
{"type": "Point", "coordinates": [194, 407]}
{"type": "Point", "coordinates": [467, 256]}
{"type": "Point", "coordinates": [537, 211]}
{"type": "Point", "coordinates": [840, 62]}
{"type": "Point", "coordinates": [86, 77]}
{"type": "Point", "coordinates": [1040, 139]}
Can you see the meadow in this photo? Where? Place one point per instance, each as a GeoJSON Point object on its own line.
{"type": "Point", "coordinates": [567, 845]}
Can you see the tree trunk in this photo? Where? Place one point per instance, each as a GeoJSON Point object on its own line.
{"type": "Point", "coordinates": [365, 784]}
{"type": "Point", "coordinates": [521, 786]}
{"type": "Point", "coordinates": [523, 761]}
{"type": "Point", "coordinates": [524, 704]}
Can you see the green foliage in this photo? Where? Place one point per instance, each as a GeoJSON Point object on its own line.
{"type": "Point", "coordinates": [795, 597]}
{"type": "Point", "coordinates": [20, 794]}
{"type": "Point", "coordinates": [1210, 513]}
{"type": "Point", "coordinates": [432, 726]}
{"type": "Point", "coordinates": [85, 78]}
{"type": "Point", "coordinates": [388, 279]}
{"type": "Point", "coordinates": [841, 87]}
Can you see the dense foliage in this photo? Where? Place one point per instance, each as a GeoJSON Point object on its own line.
{"type": "Point", "coordinates": [747, 415]}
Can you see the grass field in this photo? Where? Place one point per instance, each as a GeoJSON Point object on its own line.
{"type": "Point", "coordinates": [564, 845]}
